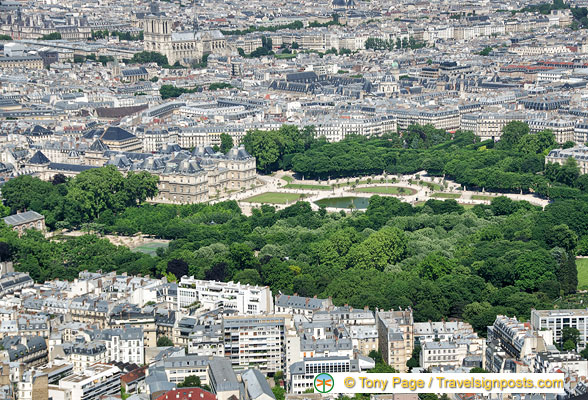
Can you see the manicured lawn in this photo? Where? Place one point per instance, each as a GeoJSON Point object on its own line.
{"type": "Point", "coordinates": [307, 187]}
{"type": "Point", "coordinates": [387, 190]}
{"type": "Point", "coordinates": [288, 178]}
{"type": "Point", "coordinates": [446, 195]}
{"type": "Point", "coordinates": [150, 248]}
{"type": "Point", "coordinates": [284, 56]}
{"type": "Point", "coordinates": [465, 206]}
{"type": "Point", "coordinates": [482, 197]}
{"type": "Point", "coordinates": [582, 265]}
{"type": "Point", "coordinates": [275, 198]}
{"type": "Point", "coordinates": [432, 186]}
{"type": "Point", "coordinates": [361, 182]}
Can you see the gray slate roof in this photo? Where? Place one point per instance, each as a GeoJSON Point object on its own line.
{"type": "Point", "coordinates": [256, 384]}
{"type": "Point", "coordinates": [23, 218]}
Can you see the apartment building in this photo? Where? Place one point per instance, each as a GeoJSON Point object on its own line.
{"type": "Point", "coordinates": [395, 337]}
{"type": "Point", "coordinates": [364, 338]}
{"type": "Point", "coordinates": [335, 130]}
{"type": "Point", "coordinates": [243, 299]}
{"type": "Point", "coordinates": [563, 129]}
{"type": "Point", "coordinates": [256, 341]}
{"type": "Point", "coordinates": [84, 355]}
{"type": "Point", "coordinates": [12, 282]}
{"type": "Point", "coordinates": [33, 386]}
{"type": "Point", "coordinates": [301, 374]}
{"type": "Point", "coordinates": [440, 331]}
{"type": "Point", "coordinates": [488, 125]}
{"type": "Point", "coordinates": [581, 133]}
{"type": "Point", "coordinates": [92, 383]}
{"type": "Point", "coordinates": [346, 315]}
{"type": "Point", "coordinates": [178, 369]}
{"type": "Point", "coordinates": [510, 340]}
{"type": "Point", "coordinates": [560, 156]}
{"type": "Point", "coordinates": [134, 318]}
{"type": "Point", "coordinates": [223, 380]}
{"type": "Point", "coordinates": [571, 362]}
{"type": "Point", "coordinates": [441, 118]}
{"type": "Point", "coordinates": [444, 353]}
{"type": "Point", "coordinates": [30, 62]}
{"type": "Point", "coordinates": [318, 339]}
{"type": "Point", "coordinates": [123, 345]}
{"type": "Point", "coordinates": [556, 320]}
{"type": "Point", "coordinates": [286, 304]}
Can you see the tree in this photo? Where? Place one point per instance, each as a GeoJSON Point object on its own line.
{"type": "Point", "coordinates": [177, 267]}
{"type": "Point", "coordinates": [266, 43]}
{"type": "Point", "coordinates": [582, 247]}
{"type": "Point", "coordinates": [51, 36]}
{"type": "Point", "coordinates": [376, 355]}
{"type": "Point", "coordinates": [380, 249]}
{"type": "Point", "coordinates": [145, 57]}
{"type": "Point", "coordinates": [562, 236]}
{"type": "Point", "coordinates": [435, 266]}
{"type": "Point", "coordinates": [164, 341]}
{"type": "Point", "coordinates": [226, 143]}
{"type": "Point", "coordinates": [569, 345]}
{"type": "Point", "coordinates": [414, 361]}
{"type": "Point", "coordinates": [478, 370]}
{"type": "Point", "coordinates": [512, 133]}
{"type": "Point", "coordinates": [248, 276]}
{"type": "Point", "coordinates": [279, 392]}
{"type": "Point", "coordinates": [58, 179]}
{"type": "Point", "coordinates": [486, 51]}
{"type": "Point", "coordinates": [191, 381]}
{"type": "Point", "coordinates": [570, 335]}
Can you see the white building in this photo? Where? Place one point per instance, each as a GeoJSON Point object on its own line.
{"type": "Point", "coordinates": [440, 331]}
{"type": "Point", "coordinates": [302, 373]}
{"type": "Point", "coordinates": [93, 382]}
{"type": "Point", "coordinates": [256, 341]}
{"type": "Point", "coordinates": [434, 354]}
{"type": "Point", "coordinates": [557, 320]}
{"type": "Point", "coordinates": [244, 299]}
{"type": "Point", "coordinates": [123, 345]}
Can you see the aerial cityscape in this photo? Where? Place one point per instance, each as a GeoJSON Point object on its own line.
{"type": "Point", "coordinates": [223, 200]}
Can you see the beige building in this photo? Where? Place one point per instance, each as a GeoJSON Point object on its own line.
{"type": "Point", "coordinates": [33, 386]}
{"type": "Point", "coordinates": [182, 47]}
{"type": "Point", "coordinates": [579, 153]}
{"type": "Point", "coordinates": [395, 337]}
{"type": "Point", "coordinates": [563, 129]}
{"type": "Point", "coordinates": [118, 139]}
{"type": "Point", "coordinates": [435, 354]}
{"type": "Point", "coordinates": [26, 220]}
{"type": "Point", "coordinates": [30, 62]}
{"type": "Point", "coordinates": [86, 354]}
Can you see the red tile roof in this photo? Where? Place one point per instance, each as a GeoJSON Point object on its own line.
{"type": "Point", "coordinates": [133, 375]}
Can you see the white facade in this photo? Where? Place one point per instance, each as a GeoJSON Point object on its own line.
{"type": "Point", "coordinates": [435, 354]}
{"type": "Point", "coordinates": [302, 373]}
{"type": "Point", "coordinates": [245, 299]}
{"type": "Point", "coordinates": [556, 320]}
{"type": "Point", "coordinates": [99, 379]}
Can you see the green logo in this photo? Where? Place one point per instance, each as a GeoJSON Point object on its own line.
{"type": "Point", "coordinates": [323, 383]}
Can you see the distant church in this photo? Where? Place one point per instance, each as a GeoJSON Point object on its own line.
{"type": "Point", "coordinates": [181, 46]}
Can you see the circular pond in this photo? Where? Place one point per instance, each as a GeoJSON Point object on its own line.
{"type": "Point", "coordinates": [357, 203]}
